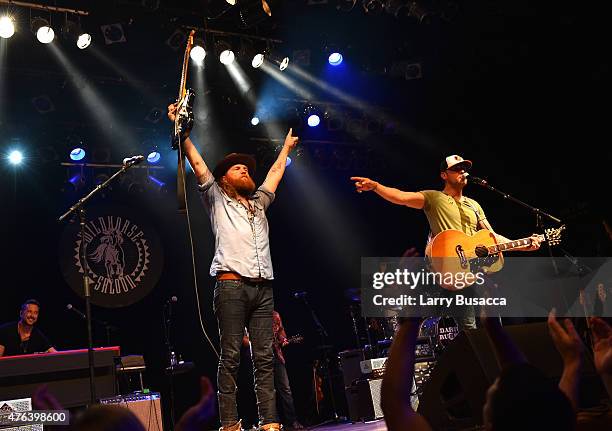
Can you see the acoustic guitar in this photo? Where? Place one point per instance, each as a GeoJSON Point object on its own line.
{"type": "Point", "coordinates": [455, 252]}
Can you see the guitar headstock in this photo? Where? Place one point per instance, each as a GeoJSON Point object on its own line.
{"type": "Point", "coordinates": [190, 39]}
{"type": "Point", "coordinates": [553, 235]}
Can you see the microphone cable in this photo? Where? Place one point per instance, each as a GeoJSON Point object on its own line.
{"type": "Point", "coordinates": [193, 264]}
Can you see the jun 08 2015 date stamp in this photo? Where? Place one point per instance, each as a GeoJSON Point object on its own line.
{"type": "Point", "coordinates": [45, 417]}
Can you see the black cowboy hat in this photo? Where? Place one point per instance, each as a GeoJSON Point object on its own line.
{"type": "Point", "coordinates": [234, 159]}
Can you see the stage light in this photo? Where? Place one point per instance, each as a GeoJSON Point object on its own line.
{"type": "Point", "coordinates": [83, 41]}
{"type": "Point", "coordinates": [255, 121]}
{"type": "Point", "coordinates": [227, 57]}
{"type": "Point", "coordinates": [288, 162]}
{"type": "Point", "coordinates": [7, 27]}
{"type": "Point", "coordinates": [198, 54]}
{"type": "Point", "coordinates": [153, 157]}
{"type": "Point", "coordinates": [258, 60]}
{"type": "Point", "coordinates": [372, 6]}
{"type": "Point", "coordinates": [157, 184]}
{"type": "Point", "coordinates": [43, 104]}
{"type": "Point", "coordinates": [313, 115]}
{"type": "Point", "coordinates": [313, 120]}
{"type": "Point", "coordinates": [44, 32]}
{"type": "Point", "coordinates": [72, 31]}
{"type": "Point", "coordinates": [284, 63]}
{"type": "Point", "coordinates": [77, 154]}
{"type": "Point", "coordinates": [335, 58]}
{"type": "Point", "coordinates": [113, 33]}
{"type": "Point", "coordinates": [15, 157]}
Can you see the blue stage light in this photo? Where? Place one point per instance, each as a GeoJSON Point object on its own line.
{"type": "Point", "coordinates": [335, 58]}
{"type": "Point", "coordinates": [153, 157]}
{"type": "Point", "coordinates": [15, 157]}
{"type": "Point", "coordinates": [77, 154]}
{"type": "Point", "coordinates": [313, 120]}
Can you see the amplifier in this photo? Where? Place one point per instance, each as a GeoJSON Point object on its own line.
{"type": "Point", "coordinates": [370, 365]}
{"type": "Point", "coordinates": [146, 407]}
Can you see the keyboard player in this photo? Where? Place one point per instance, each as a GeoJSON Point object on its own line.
{"type": "Point", "coordinates": [21, 337]}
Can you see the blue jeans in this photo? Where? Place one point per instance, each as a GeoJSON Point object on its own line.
{"type": "Point", "coordinates": [281, 382]}
{"type": "Point", "coordinates": [240, 304]}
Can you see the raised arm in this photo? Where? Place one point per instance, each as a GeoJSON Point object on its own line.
{"type": "Point", "coordinates": [396, 196]}
{"type": "Point", "coordinates": [275, 174]}
{"type": "Point", "coordinates": [196, 161]}
{"type": "Point", "coordinates": [506, 351]}
{"type": "Point", "coordinates": [602, 350]}
{"type": "Point", "coordinates": [570, 347]}
{"type": "Point", "coordinates": [397, 382]}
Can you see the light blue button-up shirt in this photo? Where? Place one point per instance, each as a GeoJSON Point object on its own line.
{"type": "Point", "coordinates": [241, 245]}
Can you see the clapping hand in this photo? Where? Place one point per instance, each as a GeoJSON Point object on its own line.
{"type": "Point", "coordinates": [566, 340]}
{"type": "Point", "coordinates": [602, 345]}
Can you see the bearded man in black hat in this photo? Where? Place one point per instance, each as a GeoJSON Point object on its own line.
{"type": "Point", "coordinates": [242, 267]}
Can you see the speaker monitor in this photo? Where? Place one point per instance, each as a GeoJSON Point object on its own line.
{"type": "Point", "coordinates": [455, 394]}
{"type": "Point", "coordinates": [146, 407]}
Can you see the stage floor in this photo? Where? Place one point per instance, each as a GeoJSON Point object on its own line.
{"type": "Point", "coordinates": [378, 425]}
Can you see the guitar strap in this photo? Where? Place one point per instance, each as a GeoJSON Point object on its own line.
{"type": "Point", "coordinates": [181, 190]}
{"type": "Point", "coordinates": [430, 235]}
{"type": "Point", "coordinates": [473, 209]}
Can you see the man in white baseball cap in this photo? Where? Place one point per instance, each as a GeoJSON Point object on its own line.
{"type": "Point", "coordinates": [445, 209]}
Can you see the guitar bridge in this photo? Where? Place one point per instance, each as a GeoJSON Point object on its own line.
{"type": "Point", "coordinates": [462, 259]}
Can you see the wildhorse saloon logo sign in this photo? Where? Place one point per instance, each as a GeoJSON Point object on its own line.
{"type": "Point", "coordinates": [123, 255]}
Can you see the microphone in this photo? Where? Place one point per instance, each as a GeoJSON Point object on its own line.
{"type": "Point", "coordinates": [299, 295]}
{"type": "Point", "coordinates": [129, 161]}
{"type": "Point", "coordinates": [476, 180]}
{"type": "Point", "coordinates": [80, 314]}
{"type": "Point", "coordinates": [172, 300]}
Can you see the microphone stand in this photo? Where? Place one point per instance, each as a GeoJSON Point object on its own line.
{"type": "Point", "coordinates": [167, 321]}
{"type": "Point", "coordinates": [78, 208]}
{"type": "Point", "coordinates": [536, 211]}
{"type": "Point", "coordinates": [323, 336]}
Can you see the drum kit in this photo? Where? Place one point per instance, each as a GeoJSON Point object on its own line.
{"type": "Point", "coordinates": [379, 331]}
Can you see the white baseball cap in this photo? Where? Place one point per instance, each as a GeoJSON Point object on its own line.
{"type": "Point", "coordinates": [453, 160]}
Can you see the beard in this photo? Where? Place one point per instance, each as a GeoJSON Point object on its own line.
{"type": "Point", "coordinates": [243, 186]}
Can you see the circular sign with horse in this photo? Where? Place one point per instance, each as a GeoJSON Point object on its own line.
{"type": "Point", "coordinates": [123, 256]}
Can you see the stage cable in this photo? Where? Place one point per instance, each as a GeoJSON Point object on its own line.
{"type": "Point", "coordinates": [193, 264]}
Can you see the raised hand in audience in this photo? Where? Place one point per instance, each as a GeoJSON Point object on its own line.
{"type": "Point", "coordinates": [200, 416]}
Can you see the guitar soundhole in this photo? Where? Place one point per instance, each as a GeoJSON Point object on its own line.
{"type": "Point", "coordinates": [481, 251]}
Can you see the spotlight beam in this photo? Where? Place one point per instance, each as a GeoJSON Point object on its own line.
{"type": "Point", "coordinates": [244, 85]}
{"type": "Point", "coordinates": [98, 108]}
{"type": "Point", "coordinates": [405, 130]}
{"type": "Point", "coordinates": [291, 84]}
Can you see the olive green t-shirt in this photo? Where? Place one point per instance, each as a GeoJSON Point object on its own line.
{"type": "Point", "coordinates": [444, 212]}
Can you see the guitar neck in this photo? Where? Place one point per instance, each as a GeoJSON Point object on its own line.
{"type": "Point", "coordinates": [185, 65]}
{"type": "Point", "coordinates": [507, 246]}
{"type": "Point", "coordinates": [294, 339]}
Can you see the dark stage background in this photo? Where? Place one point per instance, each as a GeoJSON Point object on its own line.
{"type": "Point", "coordinates": [520, 88]}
